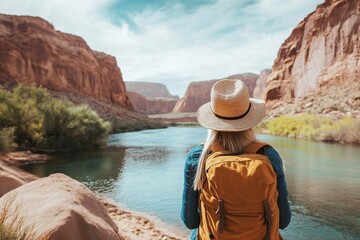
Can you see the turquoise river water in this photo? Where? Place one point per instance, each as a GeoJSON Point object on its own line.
{"type": "Point", "coordinates": [144, 172]}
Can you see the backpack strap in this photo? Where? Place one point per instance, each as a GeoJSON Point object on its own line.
{"type": "Point", "coordinates": [255, 146]}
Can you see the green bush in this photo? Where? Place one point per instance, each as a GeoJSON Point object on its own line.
{"type": "Point", "coordinates": [42, 121]}
{"type": "Point", "coordinates": [311, 127]}
{"type": "Point", "coordinates": [7, 139]}
{"type": "Point", "coordinates": [135, 125]}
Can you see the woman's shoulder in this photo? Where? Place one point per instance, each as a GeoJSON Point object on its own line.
{"type": "Point", "coordinates": [274, 158]}
{"type": "Point", "coordinates": [194, 153]}
{"type": "Point", "coordinates": [196, 150]}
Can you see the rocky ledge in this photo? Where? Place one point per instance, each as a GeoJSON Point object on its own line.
{"type": "Point", "coordinates": [59, 207]}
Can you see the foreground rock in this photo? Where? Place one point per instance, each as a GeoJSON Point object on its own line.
{"type": "Point", "coordinates": [131, 225]}
{"type": "Point", "coordinates": [61, 208]}
{"type": "Point", "coordinates": [12, 177]}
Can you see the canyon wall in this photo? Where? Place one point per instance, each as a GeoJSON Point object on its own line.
{"type": "Point", "coordinates": [198, 93]}
{"type": "Point", "coordinates": [150, 98]}
{"type": "Point", "coordinates": [323, 49]}
{"type": "Point", "coordinates": [33, 52]}
{"type": "Point", "coordinates": [259, 90]}
{"type": "Point", "coordinates": [150, 90]}
{"type": "Point", "coordinates": [151, 106]}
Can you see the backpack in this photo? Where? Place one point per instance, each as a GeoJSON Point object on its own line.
{"type": "Point", "coordinates": [239, 197]}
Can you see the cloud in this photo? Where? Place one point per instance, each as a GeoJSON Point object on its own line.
{"type": "Point", "coordinates": [170, 44]}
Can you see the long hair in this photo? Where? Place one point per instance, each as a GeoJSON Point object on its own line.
{"type": "Point", "coordinates": [231, 141]}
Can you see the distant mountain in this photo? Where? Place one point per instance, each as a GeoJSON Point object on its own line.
{"type": "Point", "coordinates": [151, 106]}
{"type": "Point", "coordinates": [198, 93]}
{"type": "Point", "coordinates": [150, 90]}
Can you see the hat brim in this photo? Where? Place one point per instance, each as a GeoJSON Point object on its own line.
{"type": "Point", "coordinates": [207, 118]}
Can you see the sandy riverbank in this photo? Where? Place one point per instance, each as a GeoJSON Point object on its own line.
{"type": "Point", "coordinates": [132, 225]}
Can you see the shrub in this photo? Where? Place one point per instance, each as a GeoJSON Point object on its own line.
{"type": "Point", "coordinates": [41, 121]}
{"type": "Point", "coordinates": [135, 125]}
{"type": "Point", "coordinates": [345, 131]}
{"type": "Point", "coordinates": [11, 224]}
{"type": "Point", "coordinates": [7, 139]}
{"type": "Point", "coordinates": [312, 127]}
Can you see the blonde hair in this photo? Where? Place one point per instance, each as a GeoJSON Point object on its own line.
{"type": "Point", "coordinates": [231, 141]}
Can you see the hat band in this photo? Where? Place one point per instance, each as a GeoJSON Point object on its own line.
{"type": "Point", "coordinates": [233, 118]}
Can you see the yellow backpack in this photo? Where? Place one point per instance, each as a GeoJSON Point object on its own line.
{"type": "Point", "coordinates": [238, 199]}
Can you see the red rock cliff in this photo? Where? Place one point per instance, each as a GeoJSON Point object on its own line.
{"type": "Point", "coordinates": [32, 51]}
{"type": "Point", "coordinates": [323, 50]}
{"type": "Point", "coordinates": [198, 93]}
{"type": "Point", "coordinates": [150, 90]}
{"type": "Point", "coordinates": [151, 106]}
{"type": "Point", "coordinates": [259, 90]}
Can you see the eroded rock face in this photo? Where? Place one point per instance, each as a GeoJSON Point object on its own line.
{"type": "Point", "coordinates": [61, 208]}
{"type": "Point", "coordinates": [150, 90]}
{"type": "Point", "coordinates": [198, 93]}
{"type": "Point", "coordinates": [259, 90]}
{"type": "Point", "coordinates": [151, 106]}
{"type": "Point", "coordinates": [32, 51]}
{"type": "Point", "coordinates": [324, 49]}
{"type": "Point", "coordinates": [249, 79]}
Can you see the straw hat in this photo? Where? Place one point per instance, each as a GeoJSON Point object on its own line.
{"type": "Point", "coordinates": [230, 108]}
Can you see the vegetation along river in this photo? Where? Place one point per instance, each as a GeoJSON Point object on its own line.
{"type": "Point", "coordinates": [145, 173]}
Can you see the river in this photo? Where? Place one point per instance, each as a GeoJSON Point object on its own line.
{"type": "Point", "coordinates": [144, 172]}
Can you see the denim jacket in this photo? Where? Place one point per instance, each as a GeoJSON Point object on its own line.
{"type": "Point", "coordinates": [189, 212]}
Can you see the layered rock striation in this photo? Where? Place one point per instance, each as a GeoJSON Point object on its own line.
{"type": "Point", "coordinates": [198, 93]}
{"type": "Point", "coordinates": [150, 90]}
{"type": "Point", "coordinates": [33, 52]}
{"type": "Point", "coordinates": [259, 90]}
{"type": "Point", "coordinates": [151, 106]}
{"type": "Point", "coordinates": [322, 51]}
{"type": "Point", "coordinates": [151, 98]}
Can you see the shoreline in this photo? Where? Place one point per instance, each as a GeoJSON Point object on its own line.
{"type": "Point", "coordinates": [132, 225]}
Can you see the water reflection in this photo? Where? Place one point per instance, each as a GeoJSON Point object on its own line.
{"type": "Point", "coordinates": [99, 170]}
{"type": "Point", "coordinates": [147, 154]}
{"type": "Point", "coordinates": [146, 174]}
{"type": "Point", "coordinates": [323, 181]}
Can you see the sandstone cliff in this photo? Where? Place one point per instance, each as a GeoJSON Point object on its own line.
{"type": "Point", "coordinates": [32, 51]}
{"type": "Point", "coordinates": [151, 106]}
{"type": "Point", "coordinates": [198, 93]}
{"type": "Point", "coordinates": [150, 90]}
{"type": "Point", "coordinates": [259, 90]}
{"type": "Point", "coordinates": [322, 56]}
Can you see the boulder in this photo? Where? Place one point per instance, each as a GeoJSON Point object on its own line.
{"type": "Point", "coordinates": [60, 207]}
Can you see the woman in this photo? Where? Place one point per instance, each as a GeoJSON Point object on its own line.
{"type": "Point", "coordinates": [229, 118]}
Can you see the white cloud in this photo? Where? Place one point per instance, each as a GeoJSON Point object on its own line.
{"type": "Point", "coordinates": [173, 46]}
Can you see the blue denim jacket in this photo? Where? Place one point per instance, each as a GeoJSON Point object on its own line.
{"type": "Point", "coordinates": [189, 212]}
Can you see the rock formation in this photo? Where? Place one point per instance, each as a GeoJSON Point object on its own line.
{"type": "Point", "coordinates": [150, 90]}
{"type": "Point", "coordinates": [60, 208]}
{"type": "Point", "coordinates": [151, 106]}
{"type": "Point", "coordinates": [198, 93]}
{"type": "Point", "coordinates": [321, 55]}
{"type": "Point", "coordinates": [249, 79]}
{"type": "Point", "coordinates": [259, 90]}
{"type": "Point", "coordinates": [32, 51]}
{"type": "Point", "coordinates": [11, 178]}
{"type": "Point", "coordinates": [150, 98]}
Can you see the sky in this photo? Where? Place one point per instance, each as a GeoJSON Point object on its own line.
{"type": "Point", "coordinates": [176, 42]}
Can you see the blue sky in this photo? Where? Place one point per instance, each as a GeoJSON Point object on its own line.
{"type": "Point", "coordinates": [176, 41]}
